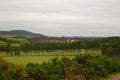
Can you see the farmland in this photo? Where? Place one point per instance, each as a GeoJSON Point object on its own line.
{"type": "Point", "coordinates": [27, 59]}
{"type": "Point", "coordinates": [30, 59]}
{"type": "Point", "coordinates": [45, 56]}
{"type": "Point", "coordinates": [13, 39]}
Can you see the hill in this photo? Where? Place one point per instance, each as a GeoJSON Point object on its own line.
{"type": "Point", "coordinates": [21, 33]}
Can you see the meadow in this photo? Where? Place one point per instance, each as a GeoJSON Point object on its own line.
{"type": "Point", "coordinates": [45, 56]}
{"type": "Point", "coordinates": [27, 59]}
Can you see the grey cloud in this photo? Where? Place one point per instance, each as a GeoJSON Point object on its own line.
{"type": "Point", "coordinates": [62, 17]}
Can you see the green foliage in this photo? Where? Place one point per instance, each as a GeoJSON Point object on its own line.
{"type": "Point", "coordinates": [12, 72]}
{"type": "Point", "coordinates": [25, 46]}
{"type": "Point", "coordinates": [45, 71]}
{"type": "Point", "coordinates": [111, 46]}
{"type": "Point", "coordinates": [82, 67]}
{"type": "Point", "coordinates": [96, 67]}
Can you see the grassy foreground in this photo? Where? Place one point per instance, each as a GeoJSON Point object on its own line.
{"type": "Point", "coordinates": [30, 59]}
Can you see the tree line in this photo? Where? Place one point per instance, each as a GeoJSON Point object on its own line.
{"type": "Point", "coordinates": [109, 46]}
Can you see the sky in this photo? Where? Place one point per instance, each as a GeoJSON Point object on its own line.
{"type": "Point", "coordinates": [62, 17]}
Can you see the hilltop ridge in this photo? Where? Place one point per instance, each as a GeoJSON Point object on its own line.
{"type": "Point", "coordinates": [21, 33]}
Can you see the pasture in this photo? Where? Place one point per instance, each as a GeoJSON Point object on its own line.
{"type": "Point", "coordinates": [30, 59]}
{"type": "Point", "coordinates": [45, 56]}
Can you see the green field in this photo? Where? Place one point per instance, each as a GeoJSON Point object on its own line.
{"type": "Point", "coordinates": [17, 41]}
{"type": "Point", "coordinates": [30, 59]}
{"type": "Point", "coordinates": [45, 56]}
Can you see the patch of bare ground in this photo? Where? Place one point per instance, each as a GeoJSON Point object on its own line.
{"type": "Point", "coordinates": [115, 77]}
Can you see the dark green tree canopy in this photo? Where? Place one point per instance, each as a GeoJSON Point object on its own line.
{"type": "Point", "coordinates": [111, 46]}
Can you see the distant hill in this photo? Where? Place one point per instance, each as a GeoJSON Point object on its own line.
{"type": "Point", "coordinates": [21, 33]}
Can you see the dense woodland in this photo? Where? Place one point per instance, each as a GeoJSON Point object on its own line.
{"type": "Point", "coordinates": [82, 67]}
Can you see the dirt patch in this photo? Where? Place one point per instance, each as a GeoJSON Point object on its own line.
{"type": "Point", "coordinates": [115, 77]}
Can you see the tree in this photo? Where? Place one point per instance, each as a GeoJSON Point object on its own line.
{"type": "Point", "coordinates": [9, 48]}
{"type": "Point", "coordinates": [111, 46]}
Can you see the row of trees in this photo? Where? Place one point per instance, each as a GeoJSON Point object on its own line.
{"type": "Point", "coordinates": [109, 46]}
{"type": "Point", "coordinates": [52, 46]}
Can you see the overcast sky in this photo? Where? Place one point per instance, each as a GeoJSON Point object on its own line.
{"type": "Point", "coordinates": [62, 17]}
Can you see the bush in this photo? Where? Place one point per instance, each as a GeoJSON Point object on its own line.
{"type": "Point", "coordinates": [82, 67]}
{"type": "Point", "coordinates": [96, 67]}
{"type": "Point", "coordinates": [11, 72]}
{"type": "Point", "coordinates": [111, 46]}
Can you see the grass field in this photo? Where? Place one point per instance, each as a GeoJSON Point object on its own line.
{"type": "Point", "coordinates": [30, 59]}
{"type": "Point", "coordinates": [17, 41]}
{"type": "Point", "coordinates": [23, 40]}
{"type": "Point", "coordinates": [45, 56]}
